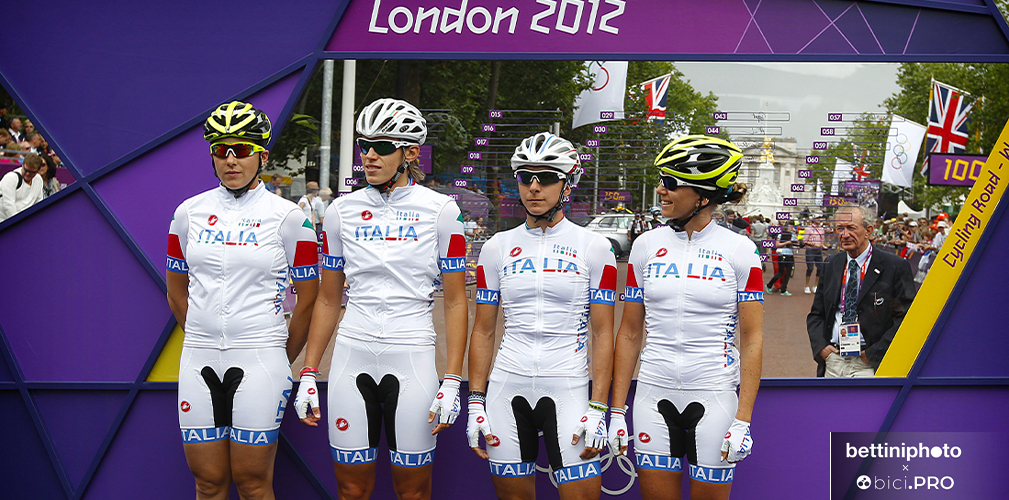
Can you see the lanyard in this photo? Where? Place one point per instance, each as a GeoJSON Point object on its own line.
{"type": "Point", "coordinates": [844, 280]}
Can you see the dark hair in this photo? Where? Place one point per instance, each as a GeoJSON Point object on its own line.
{"type": "Point", "coordinates": [50, 168]}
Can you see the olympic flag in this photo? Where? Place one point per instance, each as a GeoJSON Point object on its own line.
{"type": "Point", "coordinates": [606, 95]}
{"type": "Point", "coordinates": [903, 144]}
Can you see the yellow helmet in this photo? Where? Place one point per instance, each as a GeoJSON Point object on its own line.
{"type": "Point", "coordinates": [238, 119]}
{"type": "Point", "coordinates": [702, 162]}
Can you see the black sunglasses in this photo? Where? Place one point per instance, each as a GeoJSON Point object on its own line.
{"type": "Point", "coordinates": [544, 177]}
{"type": "Point", "coordinates": [669, 182]}
{"type": "Point", "coordinates": [381, 147]}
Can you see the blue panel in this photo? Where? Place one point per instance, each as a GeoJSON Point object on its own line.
{"type": "Point", "coordinates": [27, 470]}
{"type": "Point", "coordinates": [890, 23]}
{"type": "Point", "coordinates": [965, 343]}
{"type": "Point", "coordinates": [956, 33]}
{"type": "Point", "coordinates": [145, 459]}
{"type": "Point", "coordinates": [959, 409]}
{"type": "Point", "coordinates": [140, 69]}
{"type": "Point", "coordinates": [5, 372]}
{"type": "Point", "coordinates": [78, 422]}
{"type": "Point", "coordinates": [289, 481]}
{"type": "Point", "coordinates": [855, 30]}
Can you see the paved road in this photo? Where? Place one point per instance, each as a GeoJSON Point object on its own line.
{"type": "Point", "coordinates": [786, 345]}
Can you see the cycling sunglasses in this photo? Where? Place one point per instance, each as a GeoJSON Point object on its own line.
{"type": "Point", "coordinates": [669, 182]}
{"type": "Point", "coordinates": [239, 149]}
{"type": "Point", "coordinates": [544, 177]}
{"type": "Point", "coordinates": [381, 147]}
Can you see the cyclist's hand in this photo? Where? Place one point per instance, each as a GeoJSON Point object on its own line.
{"type": "Point", "coordinates": [308, 398]}
{"type": "Point", "coordinates": [737, 443]}
{"type": "Point", "coordinates": [446, 403]}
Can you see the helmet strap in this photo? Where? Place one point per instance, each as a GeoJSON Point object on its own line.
{"type": "Point", "coordinates": [679, 225]}
{"type": "Point", "coordinates": [549, 214]}
{"type": "Point", "coordinates": [237, 193]}
{"type": "Point", "coordinates": [387, 185]}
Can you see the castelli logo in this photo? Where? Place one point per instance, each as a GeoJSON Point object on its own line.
{"type": "Point", "coordinates": [440, 395]}
{"type": "Point", "coordinates": [342, 424]}
{"type": "Point", "coordinates": [644, 437]}
{"type": "Point", "coordinates": [515, 251]}
{"type": "Point", "coordinates": [728, 435]}
{"type": "Point", "coordinates": [212, 220]}
{"type": "Point", "coordinates": [366, 215]}
{"type": "Point", "coordinates": [184, 406]}
{"type": "Point", "coordinates": [585, 419]}
{"type": "Point", "coordinates": [661, 252]}
{"type": "Point", "coordinates": [621, 432]}
{"type": "Point", "coordinates": [479, 420]}
{"type": "Point", "coordinates": [311, 390]}
{"type": "Point", "coordinates": [493, 440]}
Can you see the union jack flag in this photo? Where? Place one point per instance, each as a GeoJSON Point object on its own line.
{"type": "Point", "coordinates": [947, 121]}
{"type": "Point", "coordinates": [655, 96]}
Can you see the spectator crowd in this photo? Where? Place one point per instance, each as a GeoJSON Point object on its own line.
{"type": "Point", "coordinates": [28, 163]}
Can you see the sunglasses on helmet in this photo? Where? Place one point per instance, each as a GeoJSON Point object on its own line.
{"type": "Point", "coordinates": [239, 149]}
{"type": "Point", "coordinates": [381, 147]}
{"type": "Point", "coordinates": [544, 177]}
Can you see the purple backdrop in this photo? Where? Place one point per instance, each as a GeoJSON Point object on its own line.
{"type": "Point", "coordinates": [123, 89]}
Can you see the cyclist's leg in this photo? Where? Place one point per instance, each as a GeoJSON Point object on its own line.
{"type": "Point", "coordinates": [577, 478]}
{"type": "Point", "coordinates": [407, 388]}
{"type": "Point", "coordinates": [259, 405]}
{"type": "Point", "coordinates": [354, 417]}
{"type": "Point", "coordinates": [710, 478]}
{"type": "Point", "coordinates": [204, 422]}
{"type": "Point", "coordinates": [513, 459]}
{"type": "Point", "coordinates": [660, 473]}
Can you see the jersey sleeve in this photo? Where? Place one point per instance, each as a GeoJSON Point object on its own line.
{"type": "Point", "coordinates": [332, 246]}
{"type": "Point", "coordinates": [488, 281]}
{"type": "Point", "coordinates": [602, 272]}
{"type": "Point", "coordinates": [178, 237]}
{"type": "Point", "coordinates": [451, 240]}
{"type": "Point", "coordinates": [301, 246]}
{"type": "Point", "coordinates": [634, 291]}
{"type": "Point", "coordinates": [749, 275]}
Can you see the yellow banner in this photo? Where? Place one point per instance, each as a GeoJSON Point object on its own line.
{"type": "Point", "coordinates": [947, 268]}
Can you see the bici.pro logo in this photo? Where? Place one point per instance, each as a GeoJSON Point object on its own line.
{"type": "Point", "coordinates": [916, 465]}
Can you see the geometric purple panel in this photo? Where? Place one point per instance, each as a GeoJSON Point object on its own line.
{"type": "Point", "coordinates": [5, 373]}
{"type": "Point", "coordinates": [789, 26]}
{"type": "Point", "coordinates": [964, 345]}
{"type": "Point", "coordinates": [830, 41]}
{"type": "Point", "coordinates": [94, 314]}
{"type": "Point", "coordinates": [954, 408]}
{"type": "Point", "coordinates": [172, 172]}
{"type": "Point", "coordinates": [145, 459]}
{"type": "Point", "coordinates": [143, 69]}
{"type": "Point", "coordinates": [891, 24]}
{"type": "Point", "coordinates": [801, 418]}
{"type": "Point", "coordinates": [857, 32]}
{"type": "Point", "coordinates": [753, 41]}
{"type": "Point", "coordinates": [289, 481]}
{"type": "Point", "coordinates": [78, 422]}
{"type": "Point", "coordinates": [27, 470]}
{"type": "Point", "coordinates": [958, 33]}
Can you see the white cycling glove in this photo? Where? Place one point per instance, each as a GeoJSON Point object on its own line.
{"type": "Point", "coordinates": [478, 424]}
{"type": "Point", "coordinates": [446, 403]}
{"type": "Point", "coordinates": [592, 425]}
{"type": "Point", "coordinates": [737, 441]}
{"type": "Point", "coordinates": [618, 431]}
{"type": "Point", "coordinates": [308, 393]}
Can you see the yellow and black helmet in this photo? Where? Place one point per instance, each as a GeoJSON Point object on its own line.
{"type": "Point", "coordinates": [701, 162]}
{"type": "Point", "coordinates": [238, 119]}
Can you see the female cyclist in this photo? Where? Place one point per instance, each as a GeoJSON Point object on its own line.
{"type": "Point", "coordinates": [231, 251]}
{"type": "Point", "coordinates": [695, 288]}
{"type": "Point", "coordinates": [388, 242]}
{"type": "Point", "coordinates": [551, 278]}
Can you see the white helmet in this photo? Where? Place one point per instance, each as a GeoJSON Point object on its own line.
{"type": "Point", "coordinates": [548, 150]}
{"type": "Point", "coordinates": [392, 118]}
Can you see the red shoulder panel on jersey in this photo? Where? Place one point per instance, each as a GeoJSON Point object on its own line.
{"type": "Point", "coordinates": [306, 254]}
{"type": "Point", "coordinates": [609, 279]}
{"type": "Point", "coordinates": [456, 246]}
{"type": "Point", "coordinates": [325, 243]}
{"type": "Point", "coordinates": [632, 281]}
{"type": "Point", "coordinates": [481, 282]}
{"type": "Point", "coordinates": [755, 283]}
{"type": "Point", "coordinates": [174, 247]}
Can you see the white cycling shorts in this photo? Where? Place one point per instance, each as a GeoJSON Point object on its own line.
{"type": "Point", "coordinates": [236, 394]}
{"type": "Point", "coordinates": [373, 383]}
{"type": "Point", "coordinates": [670, 424]}
{"type": "Point", "coordinates": [518, 407]}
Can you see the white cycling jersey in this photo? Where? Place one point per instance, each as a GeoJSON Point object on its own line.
{"type": "Point", "coordinates": [545, 281]}
{"type": "Point", "coordinates": [392, 248]}
{"type": "Point", "coordinates": [690, 289]}
{"type": "Point", "coordinates": [239, 254]}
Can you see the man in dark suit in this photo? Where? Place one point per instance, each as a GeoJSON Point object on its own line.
{"type": "Point", "coordinates": [862, 286]}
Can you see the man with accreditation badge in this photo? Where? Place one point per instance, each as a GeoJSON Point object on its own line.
{"type": "Point", "coordinates": [863, 296]}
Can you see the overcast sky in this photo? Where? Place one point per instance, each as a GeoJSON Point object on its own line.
{"type": "Point", "coordinates": [808, 91]}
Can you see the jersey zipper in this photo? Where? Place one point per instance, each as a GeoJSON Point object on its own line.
{"type": "Point", "coordinates": [678, 348]}
{"type": "Point", "coordinates": [538, 342]}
